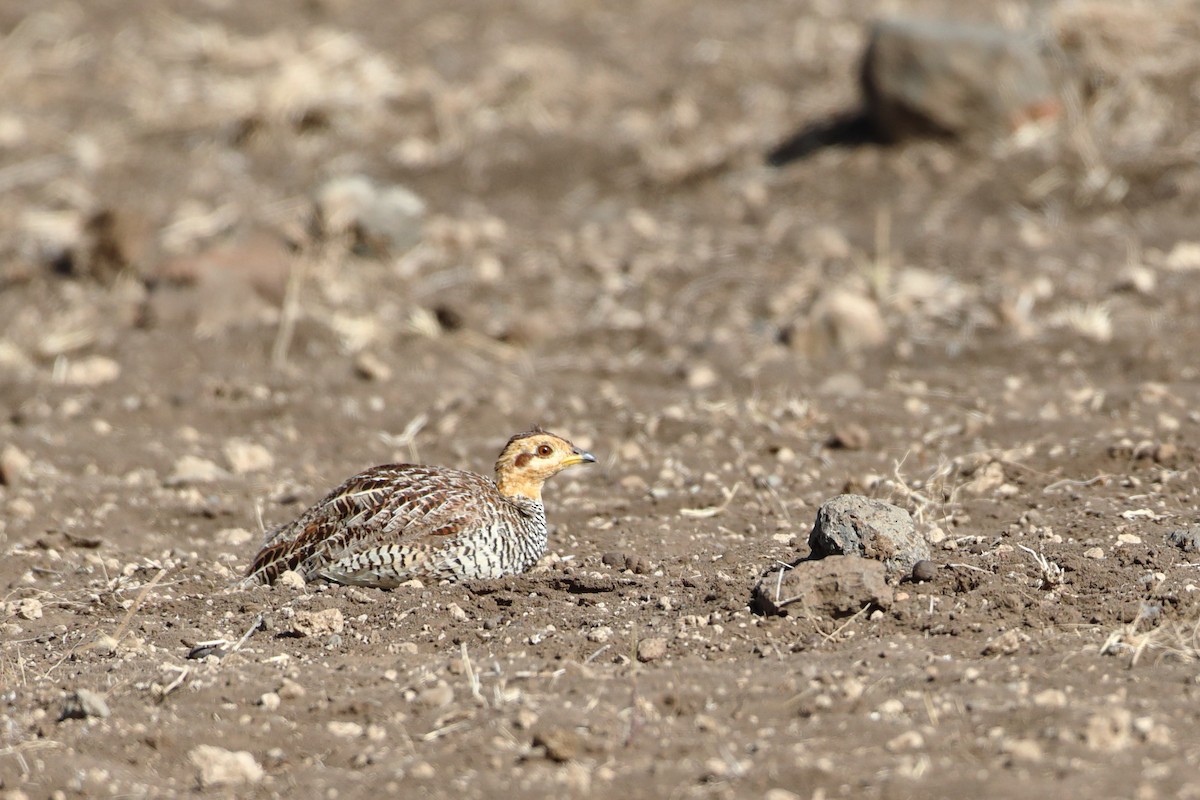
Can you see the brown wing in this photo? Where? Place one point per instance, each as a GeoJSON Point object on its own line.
{"type": "Point", "coordinates": [393, 504]}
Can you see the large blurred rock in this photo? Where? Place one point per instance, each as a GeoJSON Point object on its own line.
{"type": "Point", "coordinates": [938, 77]}
{"type": "Point", "coordinates": [859, 526]}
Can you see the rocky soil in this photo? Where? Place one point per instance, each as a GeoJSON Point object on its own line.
{"type": "Point", "coordinates": [247, 250]}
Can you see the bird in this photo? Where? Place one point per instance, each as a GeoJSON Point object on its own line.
{"type": "Point", "coordinates": [396, 522]}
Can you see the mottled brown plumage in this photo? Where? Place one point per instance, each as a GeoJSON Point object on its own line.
{"type": "Point", "coordinates": [402, 521]}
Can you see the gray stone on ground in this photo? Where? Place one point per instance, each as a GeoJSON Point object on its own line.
{"type": "Point", "coordinates": [940, 77]}
{"type": "Point", "coordinates": [83, 703]}
{"type": "Point", "coordinates": [838, 586]}
{"type": "Point", "coordinates": [217, 766]}
{"type": "Point", "coordinates": [382, 219]}
{"type": "Point", "coordinates": [1186, 539]}
{"type": "Point", "coordinates": [859, 526]}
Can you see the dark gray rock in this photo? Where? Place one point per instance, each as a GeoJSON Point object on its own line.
{"type": "Point", "coordinates": [925, 77]}
{"type": "Point", "coordinates": [859, 526]}
{"type": "Point", "coordinates": [838, 586]}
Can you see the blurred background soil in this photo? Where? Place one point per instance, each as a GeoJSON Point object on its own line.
{"type": "Point", "coordinates": [248, 249]}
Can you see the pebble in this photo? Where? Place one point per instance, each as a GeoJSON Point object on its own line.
{"type": "Point", "coordinates": [780, 794]}
{"type": "Point", "coordinates": [88, 371]}
{"type": "Point", "coordinates": [384, 219]}
{"type": "Point", "coordinates": [371, 367]}
{"type": "Point", "coordinates": [290, 690]}
{"type": "Point", "coordinates": [344, 729]}
{"type": "Point", "coordinates": [651, 649]}
{"type": "Point", "coordinates": [850, 436]}
{"type": "Point", "coordinates": [560, 744]}
{"type": "Point", "coordinates": [1023, 751]}
{"type": "Point", "coordinates": [269, 700]}
{"type": "Point", "coordinates": [29, 608]}
{"type": "Point", "coordinates": [244, 457]}
{"type": "Point", "coordinates": [190, 470]}
{"type": "Point", "coordinates": [835, 586]}
{"type": "Point", "coordinates": [1050, 698]}
{"type": "Point", "coordinates": [924, 570]}
{"type": "Point", "coordinates": [318, 623]}
{"type": "Point", "coordinates": [220, 767]}
{"type": "Point", "coordinates": [1186, 539]}
{"type": "Point", "coordinates": [13, 465]}
{"type": "Point", "coordinates": [440, 694]}
{"type": "Point", "coordinates": [1094, 552]}
{"type": "Point", "coordinates": [290, 579]}
{"type": "Point", "coordinates": [1110, 730]}
{"type": "Point", "coordinates": [909, 740]}
{"type": "Point", "coordinates": [83, 703]}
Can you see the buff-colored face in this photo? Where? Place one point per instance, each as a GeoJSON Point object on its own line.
{"type": "Point", "coordinates": [530, 459]}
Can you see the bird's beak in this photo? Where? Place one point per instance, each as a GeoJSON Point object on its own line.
{"type": "Point", "coordinates": [579, 457]}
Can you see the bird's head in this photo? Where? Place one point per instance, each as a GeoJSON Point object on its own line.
{"type": "Point", "coordinates": [530, 459]}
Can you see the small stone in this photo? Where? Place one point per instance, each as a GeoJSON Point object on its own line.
{"type": "Point", "coordinates": [600, 635]}
{"type": "Point", "coordinates": [371, 367]}
{"type": "Point", "coordinates": [440, 694]}
{"type": "Point", "coordinates": [456, 612]}
{"type": "Point", "coordinates": [855, 525]}
{"type": "Point", "coordinates": [702, 377]}
{"type": "Point", "coordinates": [422, 771]}
{"type": "Point", "coordinates": [835, 586]}
{"type": "Point", "coordinates": [780, 794]}
{"type": "Point", "coordinates": [13, 465]}
{"type": "Point", "coordinates": [220, 767]}
{"type": "Point", "coordinates": [290, 690]}
{"type": "Point", "coordinates": [233, 537]}
{"type": "Point", "coordinates": [1050, 698]}
{"type": "Point", "coordinates": [83, 703]}
{"type": "Point", "coordinates": [1186, 539]}
{"type": "Point", "coordinates": [29, 608]}
{"type": "Point", "coordinates": [852, 321]}
{"type": "Point", "coordinates": [290, 579]}
{"type": "Point", "coordinates": [560, 744]}
{"type": "Point", "coordinates": [909, 740]}
{"type": "Point", "coordinates": [1128, 538]}
{"type": "Point", "coordinates": [1023, 751]}
{"type": "Point", "coordinates": [191, 470]}
{"type": "Point", "coordinates": [245, 457]}
{"type": "Point", "coordinates": [382, 220]}
{"type": "Point", "coordinates": [924, 570]}
{"type": "Point", "coordinates": [89, 371]}
{"type": "Point", "coordinates": [614, 559]}
{"type": "Point", "coordinates": [1110, 730]}
{"type": "Point", "coordinates": [1137, 279]}
{"type": "Point", "coordinates": [1096, 553]}
{"type": "Point", "coordinates": [850, 436]}
{"type": "Point", "coordinates": [318, 623]}
{"type": "Point", "coordinates": [651, 649]}
{"type": "Point", "coordinates": [269, 700]}
{"type": "Point", "coordinates": [1006, 643]}
{"type": "Point", "coordinates": [1166, 451]}
{"type": "Point", "coordinates": [344, 729]}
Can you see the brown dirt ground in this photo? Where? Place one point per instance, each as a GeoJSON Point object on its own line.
{"type": "Point", "coordinates": [606, 254]}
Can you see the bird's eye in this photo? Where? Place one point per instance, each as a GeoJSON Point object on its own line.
{"type": "Point", "coordinates": [545, 450]}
